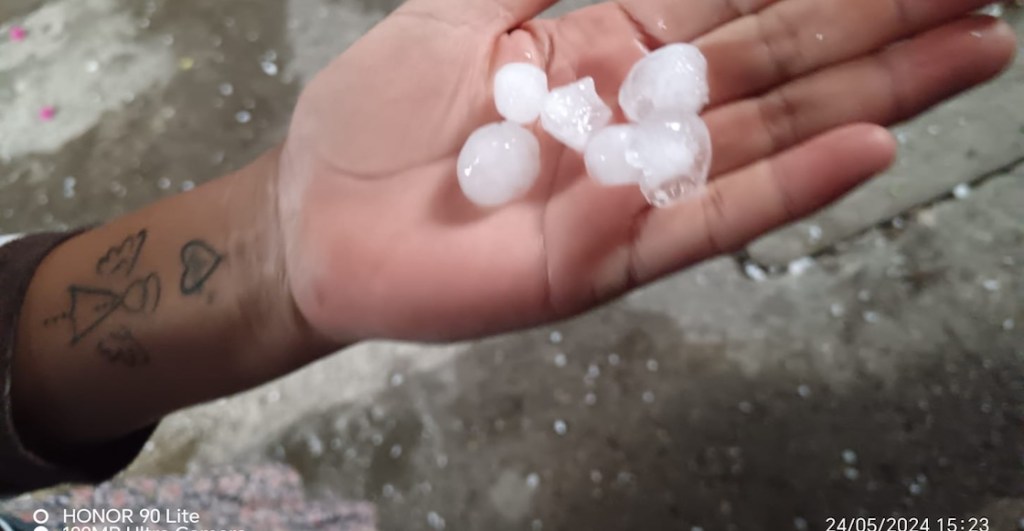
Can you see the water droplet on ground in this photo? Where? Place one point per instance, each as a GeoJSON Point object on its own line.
{"type": "Point", "coordinates": [314, 445]}
{"type": "Point", "coordinates": [849, 457]}
{"type": "Point", "coordinates": [755, 272]}
{"type": "Point", "coordinates": [800, 266]}
{"type": "Point", "coordinates": [435, 521]}
{"type": "Point", "coordinates": [69, 187]}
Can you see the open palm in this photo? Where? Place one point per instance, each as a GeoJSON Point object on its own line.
{"type": "Point", "coordinates": [381, 243]}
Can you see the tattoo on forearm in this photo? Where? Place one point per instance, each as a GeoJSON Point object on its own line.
{"type": "Point", "coordinates": [120, 347]}
{"type": "Point", "coordinates": [119, 291]}
{"type": "Point", "coordinates": [90, 306]}
{"type": "Point", "coordinates": [121, 259]}
{"type": "Point", "coordinates": [199, 261]}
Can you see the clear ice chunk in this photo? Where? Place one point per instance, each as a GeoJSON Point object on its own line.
{"type": "Point", "coordinates": [498, 163]}
{"type": "Point", "coordinates": [519, 92]}
{"type": "Point", "coordinates": [670, 81]}
{"type": "Point", "coordinates": [605, 156]}
{"type": "Point", "coordinates": [674, 158]}
{"type": "Point", "coordinates": [574, 112]}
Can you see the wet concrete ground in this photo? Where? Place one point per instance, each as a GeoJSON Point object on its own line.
{"type": "Point", "coordinates": [883, 376]}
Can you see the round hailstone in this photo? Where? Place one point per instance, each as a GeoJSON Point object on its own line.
{"type": "Point", "coordinates": [672, 80]}
{"type": "Point", "coordinates": [674, 157]}
{"type": "Point", "coordinates": [606, 156]}
{"type": "Point", "coordinates": [498, 163]}
{"type": "Point", "coordinates": [519, 92]}
{"type": "Point", "coordinates": [574, 112]}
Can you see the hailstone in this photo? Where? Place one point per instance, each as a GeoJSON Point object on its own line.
{"type": "Point", "coordinates": [574, 112]}
{"type": "Point", "coordinates": [674, 158]}
{"type": "Point", "coordinates": [498, 163]}
{"type": "Point", "coordinates": [606, 156]}
{"type": "Point", "coordinates": [519, 92]}
{"type": "Point", "coordinates": [670, 81]}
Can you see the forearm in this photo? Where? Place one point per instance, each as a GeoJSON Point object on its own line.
{"type": "Point", "coordinates": [178, 303]}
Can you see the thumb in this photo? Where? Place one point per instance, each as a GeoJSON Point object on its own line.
{"type": "Point", "coordinates": [507, 14]}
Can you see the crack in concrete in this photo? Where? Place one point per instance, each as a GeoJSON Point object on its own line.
{"type": "Point", "coordinates": [744, 261]}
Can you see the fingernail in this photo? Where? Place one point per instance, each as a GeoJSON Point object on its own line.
{"type": "Point", "coordinates": [986, 26]}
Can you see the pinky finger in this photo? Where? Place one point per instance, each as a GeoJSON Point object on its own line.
{"type": "Point", "coordinates": [751, 201]}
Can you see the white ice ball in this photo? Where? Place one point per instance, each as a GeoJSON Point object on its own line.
{"type": "Point", "coordinates": [498, 163]}
{"type": "Point", "coordinates": [674, 158]}
{"type": "Point", "coordinates": [519, 92]}
{"type": "Point", "coordinates": [606, 156]}
{"type": "Point", "coordinates": [670, 81]}
{"type": "Point", "coordinates": [574, 112]}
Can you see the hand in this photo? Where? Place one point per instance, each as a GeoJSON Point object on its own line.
{"type": "Point", "coordinates": [380, 241]}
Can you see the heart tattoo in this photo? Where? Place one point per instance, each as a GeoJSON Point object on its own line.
{"type": "Point", "coordinates": [200, 261]}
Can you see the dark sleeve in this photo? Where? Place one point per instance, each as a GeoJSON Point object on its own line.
{"type": "Point", "coordinates": [24, 468]}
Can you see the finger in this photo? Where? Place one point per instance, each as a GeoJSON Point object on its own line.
{"type": "Point", "coordinates": [884, 88]}
{"type": "Point", "coordinates": [667, 21]}
{"type": "Point", "coordinates": [514, 12]}
{"type": "Point", "coordinates": [504, 14]}
{"type": "Point", "coordinates": [747, 203]}
{"type": "Point", "coordinates": [794, 37]}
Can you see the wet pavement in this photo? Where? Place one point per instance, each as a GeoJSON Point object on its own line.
{"type": "Point", "coordinates": [765, 391]}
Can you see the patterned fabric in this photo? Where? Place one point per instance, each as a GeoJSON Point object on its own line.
{"type": "Point", "coordinates": [263, 498]}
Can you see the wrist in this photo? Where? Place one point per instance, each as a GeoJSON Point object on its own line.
{"type": "Point", "coordinates": [270, 336]}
